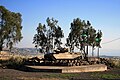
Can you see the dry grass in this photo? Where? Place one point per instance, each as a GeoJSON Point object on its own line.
{"type": "Point", "coordinates": [5, 55]}
{"type": "Point", "coordinates": [116, 62]}
{"type": "Point", "coordinates": [10, 60]}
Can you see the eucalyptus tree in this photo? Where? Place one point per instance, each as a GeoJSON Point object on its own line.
{"type": "Point", "coordinates": [82, 35]}
{"type": "Point", "coordinates": [48, 36]}
{"type": "Point", "coordinates": [40, 39]}
{"type": "Point", "coordinates": [76, 36]}
{"type": "Point", "coordinates": [55, 33]}
{"type": "Point", "coordinates": [10, 28]}
{"type": "Point", "coordinates": [58, 35]}
{"type": "Point", "coordinates": [98, 40]}
{"type": "Point", "coordinates": [91, 38]}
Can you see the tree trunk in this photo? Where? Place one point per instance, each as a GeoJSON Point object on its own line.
{"type": "Point", "coordinates": [87, 53]}
{"type": "Point", "coordinates": [92, 51]}
{"type": "Point", "coordinates": [98, 53]}
{"type": "Point", "coordinates": [87, 50]}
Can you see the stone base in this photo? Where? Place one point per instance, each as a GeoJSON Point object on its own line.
{"type": "Point", "coordinates": [67, 69]}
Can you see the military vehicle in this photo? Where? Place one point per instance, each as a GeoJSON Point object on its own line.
{"type": "Point", "coordinates": [61, 57]}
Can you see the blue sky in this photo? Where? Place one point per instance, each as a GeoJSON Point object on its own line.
{"type": "Point", "coordinates": [103, 14]}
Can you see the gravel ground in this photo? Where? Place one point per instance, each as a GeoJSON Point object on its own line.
{"type": "Point", "coordinates": [11, 74]}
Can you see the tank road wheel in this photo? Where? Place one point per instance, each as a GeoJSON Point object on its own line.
{"type": "Point", "coordinates": [76, 61]}
{"type": "Point", "coordinates": [77, 64]}
{"type": "Point", "coordinates": [79, 61]}
{"type": "Point", "coordinates": [60, 61]}
{"type": "Point", "coordinates": [74, 64]}
{"type": "Point", "coordinates": [69, 61]}
{"type": "Point", "coordinates": [56, 61]}
{"type": "Point", "coordinates": [65, 61]}
{"type": "Point", "coordinates": [70, 64]}
{"type": "Point", "coordinates": [72, 61]}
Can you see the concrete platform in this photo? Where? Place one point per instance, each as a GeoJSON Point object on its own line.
{"type": "Point", "coordinates": [65, 69]}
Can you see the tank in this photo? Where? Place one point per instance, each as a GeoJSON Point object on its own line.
{"type": "Point", "coordinates": [62, 57]}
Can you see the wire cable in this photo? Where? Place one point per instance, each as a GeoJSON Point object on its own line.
{"type": "Point", "coordinates": [111, 41]}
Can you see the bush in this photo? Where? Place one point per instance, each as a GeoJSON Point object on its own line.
{"type": "Point", "coordinates": [14, 62]}
{"type": "Point", "coordinates": [116, 62]}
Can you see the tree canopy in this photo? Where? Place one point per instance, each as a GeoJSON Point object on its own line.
{"type": "Point", "coordinates": [10, 28]}
{"type": "Point", "coordinates": [82, 35]}
{"type": "Point", "coordinates": [48, 36]}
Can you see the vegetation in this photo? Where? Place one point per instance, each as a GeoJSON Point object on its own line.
{"type": "Point", "coordinates": [17, 62]}
{"type": "Point", "coordinates": [115, 62]}
{"type": "Point", "coordinates": [82, 35]}
{"type": "Point", "coordinates": [106, 76]}
{"type": "Point", "coordinates": [10, 28]}
{"type": "Point", "coordinates": [62, 76]}
{"type": "Point", "coordinates": [48, 36]}
{"type": "Point", "coordinates": [13, 62]}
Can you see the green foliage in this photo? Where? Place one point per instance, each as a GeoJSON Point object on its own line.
{"type": "Point", "coordinates": [13, 62]}
{"type": "Point", "coordinates": [48, 35]}
{"type": "Point", "coordinates": [115, 62]}
{"type": "Point", "coordinates": [98, 38]}
{"type": "Point", "coordinates": [83, 34]}
{"type": "Point", "coordinates": [10, 28]}
{"type": "Point", "coordinates": [62, 76]}
{"type": "Point", "coordinates": [5, 78]}
{"type": "Point", "coordinates": [106, 76]}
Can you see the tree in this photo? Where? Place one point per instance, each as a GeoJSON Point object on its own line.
{"type": "Point", "coordinates": [98, 40]}
{"type": "Point", "coordinates": [55, 33]}
{"type": "Point", "coordinates": [74, 36]}
{"type": "Point", "coordinates": [82, 35]}
{"type": "Point", "coordinates": [48, 36]}
{"type": "Point", "coordinates": [10, 28]}
{"type": "Point", "coordinates": [91, 39]}
{"type": "Point", "coordinates": [40, 38]}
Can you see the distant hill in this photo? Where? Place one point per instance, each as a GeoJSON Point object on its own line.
{"type": "Point", "coordinates": [105, 56]}
{"type": "Point", "coordinates": [33, 51]}
{"type": "Point", "coordinates": [24, 51]}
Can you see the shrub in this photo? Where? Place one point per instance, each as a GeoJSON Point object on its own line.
{"type": "Point", "coordinates": [14, 62]}
{"type": "Point", "coordinates": [116, 62]}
